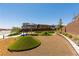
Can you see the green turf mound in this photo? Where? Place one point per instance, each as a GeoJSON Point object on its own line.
{"type": "Point", "coordinates": [24, 43]}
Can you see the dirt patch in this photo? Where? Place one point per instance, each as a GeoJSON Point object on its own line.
{"type": "Point", "coordinates": [4, 43]}
{"type": "Point", "coordinates": [50, 46]}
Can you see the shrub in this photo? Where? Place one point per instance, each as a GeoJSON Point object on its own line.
{"type": "Point", "coordinates": [45, 34]}
{"type": "Point", "coordinates": [34, 34]}
{"type": "Point", "coordinates": [15, 30]}
{"type": "Point", "coordinates": [76, 38]}
{"type": "Point", "coordinates": [24, 43]}
{"type": "Point", "coordinates": [12, 34]}
{"type": "Point", "coordinates": [60, 32]}
{"type": "Point", "coordinates": [38, 31]}
{"type": "Point", "coordinates": [68, 35]}
{"type": "Point", "coordinates": [51, 31]}
{"type": "Point", "coordinates": [65, 34]}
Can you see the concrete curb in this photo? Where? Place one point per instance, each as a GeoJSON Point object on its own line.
{"type": "Point", "coordinates": [72, 43]}
{"type": "Point", "coordinates": [10, 37]}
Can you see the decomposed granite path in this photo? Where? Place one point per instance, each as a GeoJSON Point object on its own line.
{"type": "Point", "coordinates": [50, 46]}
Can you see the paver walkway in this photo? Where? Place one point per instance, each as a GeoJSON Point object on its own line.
{"type": "Point", "coordinates": [50, 46]}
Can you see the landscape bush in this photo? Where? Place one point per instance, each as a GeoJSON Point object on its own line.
{"type": "Point", "coordinates": [67, 34]}
{"type": "Point", "coordinates": [15, 31]}
{"type": "Point", "coordinates": [51, 31]}
{"type": "Point", "coordinates": [45, 34]}
{"type": "Point", "coordinates": [34, 34]}
{"type": "Point", "coordinates": [12, 34]}
{"type": "Point", "coordinates": [76, 38]}
{"type": "Point", "coordinates": [38, 31]}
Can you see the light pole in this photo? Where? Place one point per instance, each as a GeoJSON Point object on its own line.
{"type": "Point", "coordinates": [65, 29]}
{"type": "Point", "coordinates": [3, 34]}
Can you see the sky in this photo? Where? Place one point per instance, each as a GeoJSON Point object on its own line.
{"type": "Point", "coordinates": [39, 13]}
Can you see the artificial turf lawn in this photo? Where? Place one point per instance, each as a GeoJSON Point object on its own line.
{"type": "Point", "coordinates": [24, 43]}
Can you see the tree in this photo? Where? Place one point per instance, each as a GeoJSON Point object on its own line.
{"type": "Point", "coordinates": [15, 30]}
{"type": "Point", "coordinates": [26, 27]}
{"type": "Point", "coordinates": [59, 26]}
{"type": "Point", "coordinates": [37, 26]}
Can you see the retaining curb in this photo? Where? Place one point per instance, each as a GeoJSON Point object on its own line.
{"type": "Point", "coordinates": [74, 45]}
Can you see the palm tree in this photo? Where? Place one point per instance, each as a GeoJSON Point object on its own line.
{"type": "Point", "coordinates": [59, 26]}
